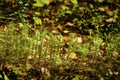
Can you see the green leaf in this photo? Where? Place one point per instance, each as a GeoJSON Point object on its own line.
{"type": "Point", "coordinates": [76, 78]}
{"type": "Point", "coordinates": [5, 77]}
{"type": "Point", "coordinates": [65, 31]}
{"type": "Point", "coordinates": [1, 76]}
{"type": "Point", "coordinates": [38, 3]}
{"type": "Point", "coordinates": [100, 0]}
{"type": "Point", "coordinates": [47, 2]}
{"type": "Point", "coordinates": [101, 78]}
{"type": "Point", "coordinates": [84, 50]}
{"type": "Point", "coordinates": [41, 3]}
{"type": "Point", "coordinates": [37, 34]}
{"type": "Point", "coordinates": [69, 12]}
{"type": "Point", "coordinates": [75, 2]}
{"type": "Point", "coordinates": [37, 20]}
{"type": "Point", "coordinates": [110, 72]}
{"type": "Point", "coordinates": [58, 60]}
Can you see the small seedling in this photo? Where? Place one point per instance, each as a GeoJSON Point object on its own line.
{"type": "Point", "coordinates": [84, 50]}
{"type": "Point", "coordinates": [96, 43]}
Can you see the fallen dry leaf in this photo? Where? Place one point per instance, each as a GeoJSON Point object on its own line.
{"type": "Point", "coordinates": [65, 38]}
{"type": "Point", "coordinates": [23, 73]}
{"type": "Point", "coordinates": [109, 20]}
{"type": "Point", "coordinates": [73, 56]}
{"type": "Point", "coordinates": [79, 40]}
{"type": "Point", "coordinates": [45, 71]}
{"type": "Point", "coordinates": [69, 24]}
{"type": "Point", "coordinates": [103, 9]}
{"type": "Point", "coordinates": [55, 32]}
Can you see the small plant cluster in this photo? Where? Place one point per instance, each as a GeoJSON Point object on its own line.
{"type": "Point", "coordinates": [46, 46]}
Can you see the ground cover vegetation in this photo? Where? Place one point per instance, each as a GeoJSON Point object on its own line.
{"type": "Point", "coordinates": [59, 39]}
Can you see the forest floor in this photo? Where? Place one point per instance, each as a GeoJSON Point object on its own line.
{"type": "Point", "coordinates": [59, 42]}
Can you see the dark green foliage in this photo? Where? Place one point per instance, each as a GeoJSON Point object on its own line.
{"type": "Point", "coordinates": [84, 14]}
